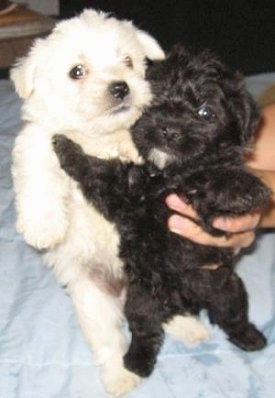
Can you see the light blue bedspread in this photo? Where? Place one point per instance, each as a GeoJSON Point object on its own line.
{"type": "Point", "coordinates": [43, 353]}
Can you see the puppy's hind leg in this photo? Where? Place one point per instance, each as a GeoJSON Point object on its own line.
{"type": "Point", "coordinates": [144, 318]}
{"type": "Point", "coordinates": [187, 328]}
{"type": "Point", "coordinates": [100, 317]}
{"type": "Point", "coordinates": [229, 310]}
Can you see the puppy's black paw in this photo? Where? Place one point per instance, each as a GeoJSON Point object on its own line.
{"type": "Point", "coordinates": [249, 339]}
{"type": "Point", "coordinates": [65, 148]}
{"type": "Point", "coordinates": [225, 193]}
{"type": "Point", "coordinates": [70, 155]}
{"type": "Point", "coordinates": [142, 363]}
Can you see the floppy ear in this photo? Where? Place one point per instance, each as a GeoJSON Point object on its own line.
{"type": "Point", "coordinates": [252, 118]}
{"type": "Point", "coordinates": [152, 49]}
{"type": "Point", "coordinates": [241, 103]}
{"type": "Point", "coordinates": [248, 114]}
{"type": "Point", "coordinates": [22, 75]}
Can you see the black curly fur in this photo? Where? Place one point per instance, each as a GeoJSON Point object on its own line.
{"type": "Point", "coordinates": [203, 120]}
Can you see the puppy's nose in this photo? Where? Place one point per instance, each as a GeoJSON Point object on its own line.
{"type": "Point", "coordinates": [119, 89]}
{"type": "Point", "coordinates": [169, 133]}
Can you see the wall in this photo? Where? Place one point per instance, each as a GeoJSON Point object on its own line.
{"type": "Point", "coordinates": [48, 7]}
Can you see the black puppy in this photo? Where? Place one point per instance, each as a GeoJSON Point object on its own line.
{"type": "Point", "coordinates": [193, 138]}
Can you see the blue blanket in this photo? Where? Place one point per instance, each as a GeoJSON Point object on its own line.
{"type": "Point", "coordinates": [43, 353]}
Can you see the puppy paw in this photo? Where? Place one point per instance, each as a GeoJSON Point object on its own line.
{"type": "Point", "coordinates": [140, 362]}
{"type": "Point", "coordinates": [211, 197]}
{"type": "Point", "coordinates": [188, 329]}
{"type": "Point", "coordinates": [119, 381]}
{"type": "Point", "coordinates": [249, 339]}
{"type": "Point", "coordinates": [71, 156]}
{"type": "Point", "coordinates": [66, 149]}
{"type": "Point", "coordinates": [64, 146]}
{"type": "Point", "coordinates": [43, 232]}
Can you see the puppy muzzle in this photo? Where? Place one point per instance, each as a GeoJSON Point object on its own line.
{"type": "Point", "coordinates": [119, 90]}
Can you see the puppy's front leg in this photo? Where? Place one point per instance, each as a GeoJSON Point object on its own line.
{"type": "Point", "coordinates": [41, 189]}
{"type": "Point", "coordinates": [103, 182]}
{"type": "Point", "coordinates": [71, 158]}
{"type": "Point", "coordinates": [222, 192]}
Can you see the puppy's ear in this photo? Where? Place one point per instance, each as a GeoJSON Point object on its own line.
{"type": "Point", "coordinates": [247, 111]}
{"type": "Point", "coordinates": [252, 118]}
{"type": "Point", "coordinates": [180, 51]}
{"type": "Point", "coordinates": [152, 49]}
{"type": "Point", "coordinates": [22, 75]}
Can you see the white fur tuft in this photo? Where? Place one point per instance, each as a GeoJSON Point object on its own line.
{"type": "Point", "coordinates": [51, 212]}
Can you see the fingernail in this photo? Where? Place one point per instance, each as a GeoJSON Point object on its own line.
{"type": "Point", "coordinates": [222, 223]}
{"type": "Point", "coordinates": [176, 224]}
{"type": "Point", "coordinates": [175, 203]}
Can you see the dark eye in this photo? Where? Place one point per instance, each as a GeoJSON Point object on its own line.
{"type": "Point", "coordinates": [206, 113]}
{"type": "Point", "coordinates": [128, 62]}
{"type": "Point", "coordinates": [148, 63]}
{"type": "Point", "coordinates": [78, 72]}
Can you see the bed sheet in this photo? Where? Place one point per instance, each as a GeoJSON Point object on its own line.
{"type": "Point", "coordinates": [43, 353]}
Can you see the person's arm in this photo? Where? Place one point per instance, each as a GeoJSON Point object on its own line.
{"type": "Point", "coordinates": [241, 229]}
{"type": "Point", "coordinates": [262, 161]}
{"type": "Point", "coordinates": [263, 155]}
{"type": "Point", "coordinates": [267, 219]}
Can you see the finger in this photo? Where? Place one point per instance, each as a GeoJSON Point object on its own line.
{"type": "Point", "coordinates": [243, 223]}
{"type": "Point", "coordinates": [174, 202]}
{"type": "Point", "coordinates": [247, 222]}
{"type": "Point", "coordinates": [194, 232]}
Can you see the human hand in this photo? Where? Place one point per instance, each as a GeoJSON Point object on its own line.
{"type": "Point", "coordinates": [241, 230]}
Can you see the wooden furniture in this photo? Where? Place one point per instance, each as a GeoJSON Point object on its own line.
{"type": "Point", "coordinates": [18, 27]}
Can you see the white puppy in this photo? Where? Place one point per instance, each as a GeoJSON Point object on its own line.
{"type": "Point", "coordinates": [85, 79]}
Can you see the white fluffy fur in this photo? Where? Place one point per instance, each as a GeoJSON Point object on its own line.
{"type": "Point", "coordinates": [80, 245]}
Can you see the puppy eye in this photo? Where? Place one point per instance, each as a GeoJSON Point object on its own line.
{"type": "Point", "coordinates": [148, 63]}
{"type": "Point", "coordinates": [206, 113]}
{"type": "Point", "coordinates": [78, 72]}
{"type": "Point", "coordinates": [128, 62]}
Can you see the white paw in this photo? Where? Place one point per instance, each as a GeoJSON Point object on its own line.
{"type": "Point", "coordinates": [187, 329]}
{"type": "Point", "coordinates": [120, 381]}
{"type": "Point", "coordinates": [43, 232]}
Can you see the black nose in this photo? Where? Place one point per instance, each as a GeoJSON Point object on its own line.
{"type": "Point", "coordinates": [119, 89]}
{"type": "Point", "coordinates": [169, 133]}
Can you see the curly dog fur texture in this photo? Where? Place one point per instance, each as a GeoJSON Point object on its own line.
{"type": "Point", "coordinates": [193, 138]}
{"type": "Point", "coordinates": [86, 79]}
